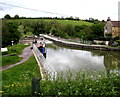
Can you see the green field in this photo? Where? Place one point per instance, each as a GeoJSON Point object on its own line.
{"type": "Point", "coordinates": [72, 22]}
{"type": "Point", "coordinates": [63, 22]}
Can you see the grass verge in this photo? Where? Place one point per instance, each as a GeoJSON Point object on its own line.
{"type": "Point", "coordinates": [13, 52]}
{"type": "Point", "coordinates": [17, 80]}
{"type": "Point", "coordinates": [8, 60]}
{"type": "Point", "coordinates": [15, 49]}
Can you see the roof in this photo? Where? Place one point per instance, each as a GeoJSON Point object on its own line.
{"type": "Point", "coordinates": [115, 23]}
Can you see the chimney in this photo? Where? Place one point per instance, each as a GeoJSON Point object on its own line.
{"type": "Point", "coordinates": [108, 19]}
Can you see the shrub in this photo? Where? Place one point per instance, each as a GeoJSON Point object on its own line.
{"type": "Point", "coordinates": [118, 41]}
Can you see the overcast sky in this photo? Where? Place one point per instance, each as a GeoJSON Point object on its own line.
{"type": "Point", "coordinates": [84, 9]}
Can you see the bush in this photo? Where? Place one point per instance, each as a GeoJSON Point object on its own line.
{"type": "Point", "coordinates": [108, 35]}
{"type": "Point", "coordinates": [118, 41]}
{"type": "Point", "coordinates": [82, 85]}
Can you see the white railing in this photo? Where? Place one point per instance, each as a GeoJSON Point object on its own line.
{"type": "Point", "coordinates": [49, 70]}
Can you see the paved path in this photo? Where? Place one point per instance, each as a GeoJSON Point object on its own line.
{"type": "Point", "coordinates": [27, 52]}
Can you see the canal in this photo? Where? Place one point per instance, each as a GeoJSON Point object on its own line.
{"type": "Point", "coordinates": [65, 59]}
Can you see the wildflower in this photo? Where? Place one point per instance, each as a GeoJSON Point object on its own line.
{"type": "Point", "coordinates": [99, 75]}
{"type": "Point", "coordinates": [90, 89]}
{"type": "Point", "coordinates": [1, 91]}
{"type": "Point", "coordinates": [7, 86]}
{"type": "Point", "coordinates": [92, 76]}
{"type": "Point", "coordinates": [12, 85]}
{"type": "Point", "coordinates": [59, 93]}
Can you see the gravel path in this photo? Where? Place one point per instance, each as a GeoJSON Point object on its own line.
{"type": "Point", "coordinates": [27, 52]}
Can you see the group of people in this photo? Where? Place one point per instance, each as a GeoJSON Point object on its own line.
{"type": "Point", "coordinates": [41, 47]}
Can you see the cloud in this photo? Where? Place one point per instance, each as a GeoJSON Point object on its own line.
{"type": "Point", "coordinates": [1, 8]}
{"type": "Point", "coordinates": [80, 8]}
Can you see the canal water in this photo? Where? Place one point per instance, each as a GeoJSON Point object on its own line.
{"type": "Point", "coordinates": [65, 59]}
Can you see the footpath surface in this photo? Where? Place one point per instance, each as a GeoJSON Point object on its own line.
{"type": "Point", "coordinates": [27, 52]}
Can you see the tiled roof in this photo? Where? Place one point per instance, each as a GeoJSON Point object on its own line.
{"type": "Point", "coordinates": [115, 23]}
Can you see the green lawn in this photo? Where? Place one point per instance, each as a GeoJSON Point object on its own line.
{"type": "Point", "coordinates": [17, 80]}
{"type": "Point", "coordinates": [13, 51]}
{"type": "Point", "coordinates": [8, 60]}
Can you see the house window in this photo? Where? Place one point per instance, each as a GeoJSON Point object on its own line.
{"type": "Point", "coordinates": [105, 30]}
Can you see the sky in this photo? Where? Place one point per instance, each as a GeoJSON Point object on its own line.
{"type": "Point", "coordinates": [84, 9]}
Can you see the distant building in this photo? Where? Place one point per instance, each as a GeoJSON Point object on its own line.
{"type": "Point", "coordinates": [112, 28]}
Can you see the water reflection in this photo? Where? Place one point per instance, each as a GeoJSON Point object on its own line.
{"type": "Point", "coordinates": [111, 60]}
{"type": "Point", "coordinates": [63, 59]}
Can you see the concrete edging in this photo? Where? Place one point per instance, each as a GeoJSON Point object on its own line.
{"type": "Point", "coordinates": [39, 64]}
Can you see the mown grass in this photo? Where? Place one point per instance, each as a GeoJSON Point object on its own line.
{"type": "Point", "coordinates": [63, 22]}
{"type": "Point", "coordinates": [8, 60]}
{"type": "Point", "coordinates": [13, 52]}
{"type": "Point", "coordinates": [15, 49]}
{"type": "Point", "coordinates": [17, 80]}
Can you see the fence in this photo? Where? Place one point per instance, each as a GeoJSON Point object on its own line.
{"type": "Point", "coordinates": [47, 70]}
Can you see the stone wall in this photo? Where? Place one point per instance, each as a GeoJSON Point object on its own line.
{"type": "Point", "coordinates": [116, 32]}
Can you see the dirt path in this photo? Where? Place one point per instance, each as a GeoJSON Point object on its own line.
{"type": "Point", "coordinates": [27, 52]}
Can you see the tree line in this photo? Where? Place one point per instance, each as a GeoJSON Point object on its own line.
{"type": "Point", "coordinates": [7, 16]}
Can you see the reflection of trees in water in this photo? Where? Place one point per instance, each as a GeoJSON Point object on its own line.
{"type": "Point", "coordinates": [111, 63]}
{"type": "Point", "coordinates": [111, 59]}
{"type": "Point", "coordinates": [53, 46]}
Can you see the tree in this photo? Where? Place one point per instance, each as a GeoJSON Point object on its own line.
{"type": "Point", "coordinates": [28, 30]}
{"type": "Point", "coordinates": [69, 29]}
{"type": "Point", "coordinates": [16, 16]}
{"type": "Point", "coordinates": [38, 27]}
{"type": "Point", "coordinates": [53, 31]}
{"type": "Point", "coordinates": [21, 29]}
{"type": "Point", "coordinates": [9, 33]}
{"type": "Point", "coordinates": [47, 28]}
{"type": "Point", "coordinates": [7, 16]}
{"type": "Point", "coordinates": [98, 30]}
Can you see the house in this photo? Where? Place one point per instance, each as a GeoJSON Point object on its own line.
{"type": "Point", "coordinates": [112, 29]}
